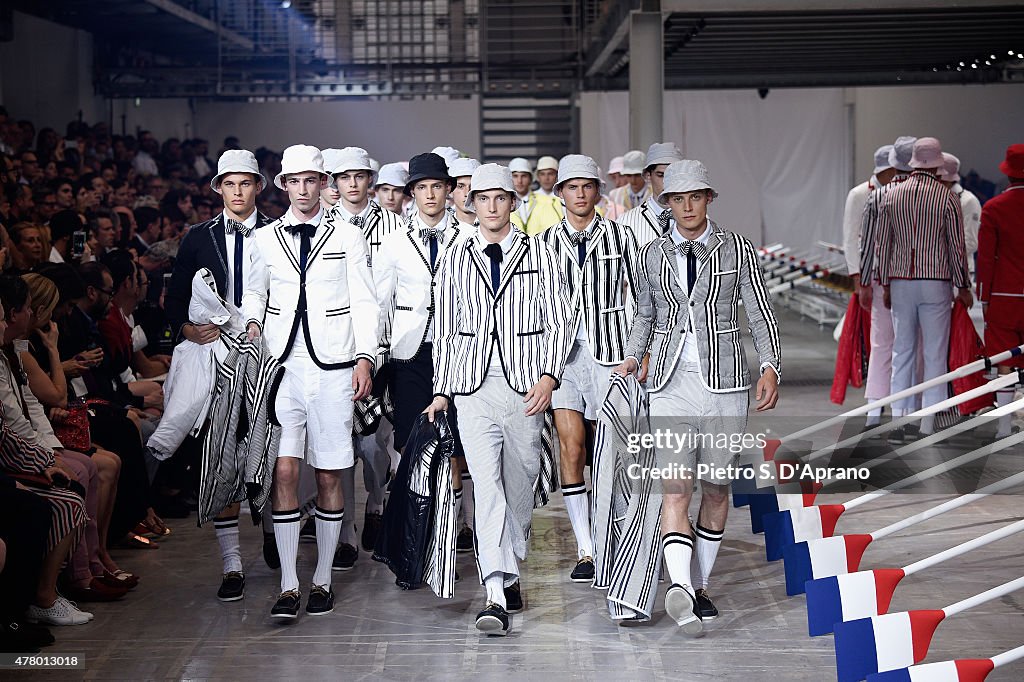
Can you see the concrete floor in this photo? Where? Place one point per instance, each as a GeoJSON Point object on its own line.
{"type": "Point", "coordinates": [172, 626]}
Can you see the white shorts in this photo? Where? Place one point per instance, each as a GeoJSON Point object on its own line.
{"type": "Point", "coordinates": [584, 383]}
{"type": "Point", "coordinates": [314, 408]}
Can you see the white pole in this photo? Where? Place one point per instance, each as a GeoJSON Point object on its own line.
{"type": "Point", "coordinates": [964, 548]}
{"type": "Point", "coordinates": [1008, 656]}
{"type": "Point", "coordinates": [987, 595]}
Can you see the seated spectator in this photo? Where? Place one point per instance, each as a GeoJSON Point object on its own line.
{"type": "Point", "coordinates": [29, 246]}
{"type": "Point", "coordinates": [147, 231]}
{"type": "Point", "coordinates": [45, 202]}
{"type": "Point", "coordinates": [86, 199]}
{"type": "Point", "coordinates": [102, 233]}
{"type": "Point", "coordinates": [63, 226]}
{"type": "Point", "coordinates": [119, 332]}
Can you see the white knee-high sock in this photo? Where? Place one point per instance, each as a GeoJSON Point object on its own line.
{"type": "Point", "coordinates": [708, 543]}
{"type": "Point", "coordinates": [348, 493]}
{"type": "Point", "coordinates": [495, 586]}
{"type": "Point", "coordinates": [874, 417]}
{"type": "Point", "coordinates": [328, 526]}
{"type": "Point", "coordinates": [458, 506]}
{"type": "Point", "coordinates": [1004, 397]}
{"type": "Point", "coordinates": [227, 537]}
{"type": "Point", "coordinates": [678, 549]}
{"type": "Point", "coordinates": [578, 505]}
{"type": "Point", "coordinates": [286, 532]}
{"type": "Point", "coordinates": [467, 499]}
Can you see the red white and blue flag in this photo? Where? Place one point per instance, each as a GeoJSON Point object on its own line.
{"type": "Point", "coordinates": [880, 643]}
{"type": "Point", "coordinates": [840, 598]}
{"type": "Point", "coordinates": [964, 670]}
{"type": "Point", "coordinates": [822, 558]}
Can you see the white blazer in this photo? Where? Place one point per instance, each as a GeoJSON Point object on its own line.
{"type": "Point", "coordinates": [340, 317]}
{"type": "Point", "coordinates": [406, 286]}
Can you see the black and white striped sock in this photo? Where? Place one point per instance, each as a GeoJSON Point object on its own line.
{"type": "Point", "coordinates": [328, 527]}
{"type": "Point", "coordinates": [577, 503]}
{"type": "Point", "coordinates": [467, 499]}
{"type": "Point", "coordinates": [708, 543]}
{"type": "Point", "coordinates": [227, 536]}
{"type": "Point", "coordinates": [678, 550]}
{"type": "Point", "coordinates": [286, 533]}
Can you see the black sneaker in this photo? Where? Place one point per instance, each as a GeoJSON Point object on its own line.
{"type": "Point", "coordinates": [345, 557]}
{"type": "Point", "coordinates": [464, 541]}
{"type": "Point", "coordinates": [320, 602]}
{"type": "Point", "coordinates": [897, 435]}
{"type": "Point", "coordinates": [287, 606]}
{"type": "Point", "coordinates": [270, 554]}
{"type": "Point", "coordinates": [232, 587]}
{"type": "Point", "coordinates": [371, 527]}
{"type": "Point", "coordinates": [514, 598]}
{"type": "Point", "coordinates": [308, 531]}
{"type": "Point", "coordinates": [682, 608]}
{"type": "Point", "coordinates": [493, 621]}
{"type": "Point", "coordinates": [705, 607]}
{"type": "Point", "coordinates": [584, 571]}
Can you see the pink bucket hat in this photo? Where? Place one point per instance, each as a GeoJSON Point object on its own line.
{"type": "Point", "coordinates": [927, 153]}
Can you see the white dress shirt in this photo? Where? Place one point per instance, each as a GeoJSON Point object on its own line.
{"type": "Point", "coordinates": [505, 245]}
{"type": "Point", "coordinates": [689, 352]}
{"type": "Point", "coordinates": [343, 212]}
{"type": "Point", "coordinates": [247, 247]}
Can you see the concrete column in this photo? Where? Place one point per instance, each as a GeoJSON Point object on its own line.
{"type": "Point", "coordinates": [646, 78]}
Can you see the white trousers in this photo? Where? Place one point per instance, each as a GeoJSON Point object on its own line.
{"type": "Point", "coordinates": [877, 385]}
{"type": "Point", "coordinates": [503, 448]}
{"type": "Point", "coordinates": [921, 312]}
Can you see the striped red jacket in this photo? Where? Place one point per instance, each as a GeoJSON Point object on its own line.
{"type": "Point", "coordinates": [921, 233]}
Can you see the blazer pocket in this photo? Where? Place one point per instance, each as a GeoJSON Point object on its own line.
{"type": "Point", "coordinates": [526, 272]}
{"type": "Point", "coordinates": [722, 273]}
{"type": "Point", "coordinates": [335, 312]}
{"type": "Point", "coordinates": [467, 334]}
{"type": "Point", "coordinates": [533, 333]}
{"type": "Point", "coordinates": [271, 310]}
{"type": "Point", "coordinates": [613, 310]}
{"type": "Point", "coordinates": [734, 330]}
{"type": "Point", "coordinates": [403, 307]}
{"type": "Point", "coordinates": [333, 255]}
{"type": "Point", "coordinates": [610, 256]}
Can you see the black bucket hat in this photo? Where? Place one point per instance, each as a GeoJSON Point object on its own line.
{"type": "Point", "coordinates": [427, 166]}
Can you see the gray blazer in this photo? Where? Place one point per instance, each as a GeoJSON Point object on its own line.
{"type": "Point", "coordinates": [731, 272]}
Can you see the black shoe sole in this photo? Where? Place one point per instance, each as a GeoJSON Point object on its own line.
{"type": "Point", "coordinates": [320, 613]}
{"type": "Point", "coordinates": [491, 626]}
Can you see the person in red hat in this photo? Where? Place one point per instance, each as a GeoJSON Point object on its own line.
{"type": "Point", "coordinates": [1001, 278]}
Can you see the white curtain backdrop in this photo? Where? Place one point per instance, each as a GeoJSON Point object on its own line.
{"type": "Point", "coordinates": [781, 164]}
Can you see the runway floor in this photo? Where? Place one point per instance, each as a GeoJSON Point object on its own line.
{"type": "Point", "coordinates": [173, 627]}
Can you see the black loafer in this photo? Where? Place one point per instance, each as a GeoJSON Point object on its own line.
{"type": "Point", "coordinates": [584, 571]}
{"type": "Point", "coordinates": [287, 606]}
{"type": "Point", "coordinates": [308, 531]}
{"type": "Point", "coordinates": [493, 621]}
{"type": "Point", "coordinates": [464, 541]}
{"type": "Point", "coordinates": [514, 598]}
{"type": "Point", "coordinates": [371, 527]}
{"type": "Point", "coordinates": [270, 554]}
{"type": "Point", "coordinates": [897, 435]}
{"type": "Point", "coordinates": [705, 607]}
{"type": "Point", "coordinates": [232, 587]}
{"type": "Point", "coordinates": [345, 557]}
{"type": "Point", "coordinates": [320, 602]}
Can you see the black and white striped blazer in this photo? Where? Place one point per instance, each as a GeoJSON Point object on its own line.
{"type": "Point", "coordinates": [732, 271]}
{"type": "Point", "coordinates": [600, 297]}
{"type": "Point", "coordinates": [527, 322]}
{"type": "Point", "coordinates": [379, 224]}
{"type": "Point", "coordinates": [643, 222]}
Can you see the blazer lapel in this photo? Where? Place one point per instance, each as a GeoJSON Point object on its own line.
{"type": "Point", "coordinates": [323, 233]}
{"type": "Point", "coordinates": [482, 268]}
{"type": "Point", "coordinates": [515, 256]}
{"type": "Point", "coordinates": [652, 220]}
{"type": "Point", "coordinates": [220, 244]}
{"type": "Point", "coordinates": [416, 245]}
{"type": "Point", "coordinates": [285, 240]}
{"type": "Point", "coordinates": [715, 242]}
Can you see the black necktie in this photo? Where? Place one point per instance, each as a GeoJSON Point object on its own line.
{"type": "Point", "coordinates": [579, 238]}
{"type": "Point", "coordinates": [493, 252]}
{"type": "Point", "coordinates": [663, 220]}
{"type": "Point", "coordinates": [305, 232]}
{"type": "Point", "coordinates": [430, 235]}
{"type": "Point", "coordinates": [691, 270]}
{"type": "Point", "coordinates": [238, 268]}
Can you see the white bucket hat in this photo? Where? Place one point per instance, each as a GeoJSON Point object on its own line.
{"type": "Point", "coordinates": [461, 167]}
{"type": "Point", "coordinates": [687, 175]}
{"type": "Point", "coordinates": [578, 166]}
{"type": "Point", "coordinates": [300, 158]}
{"type": "Point", "coordinates": [520, 165]}
{"type": "Point", "coordinates": [394, 174]}
{"type": "Point", "coordinates": [662, 153]}
{"type": "Point", "coordinates": [902, 151]}
{"type": "Point", "coordinates": [547, 163]}
{"type": "Point", "coordinates": [352, 159]}
{"type": "Point", "coordinates": [615, 165]}
{"type": "Point", "coordinates": [374, 165]}
{"type": "Point", "coordinates": [927, 153]}
{"type": "Point", "coordinates": [950, 171]}
{"type": "Point", "coordinates": [449, 154]}
{"type": "Point", "coordinates": [492, 176]}
{"type": "Point", "coordinates": [237, 161]}
{"type": "Point", "coordinates": [633, 162]}
{"type": "Point", "coordinates": [882, 158]}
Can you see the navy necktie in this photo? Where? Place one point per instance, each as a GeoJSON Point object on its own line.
{"type": "Point", "coordinates": [238, 269]}
{"type": "Point", "coordinates": [493, 252]}
{"type": "Point", "coordinates": [430, 235]}
{"type": "Point", "coordinates": [691, 270]}
{"type": "Point", "coordinates": [433, 252]}
{"type": "Point", "coordinates": [305, 232]}
{"type": "Point", "coordinates": [579, 238]}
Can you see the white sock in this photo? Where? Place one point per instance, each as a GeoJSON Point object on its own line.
{"type": "Point", "coordinates": [348, 493]}
{"type": "Point", "coordinates": [1004, 397]}
{"type": "Point", "coordinates": [467, 499]}
{"type": "Point", "coordinates": [286, 533]}
{"type": "Point", "coordinates": [678, 550]}
{"type": "Point", "coordinates": [927, 427]}
{"type": "Point", "coordinates": [495, 586]}
{"type": "Point", "coordinates": [578, 505]}
{"type": "Point", "coordinates": [874, 417]}
{"type": "Point", "coordinates": [708, 542]}
{"type": "Point", "coordinates": [458, 506]}
{"type": "Point", "coordinates": [328, 526]}
{"type": "Point", "coordinates": [227, 536]}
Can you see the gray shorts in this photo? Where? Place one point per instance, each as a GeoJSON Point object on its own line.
{"type": "Point", "coordinates": [701, 425]}
{"type": "Point", "coordinates": [584, 383]}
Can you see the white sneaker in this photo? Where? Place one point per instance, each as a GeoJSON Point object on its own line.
{"type": "Point", "coordinates": [74, 607]}
{"type": "Point", "coordinates": [682, 608]}
{"type": "Point", "coordinates": [62, 612]}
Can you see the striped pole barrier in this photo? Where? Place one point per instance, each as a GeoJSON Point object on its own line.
{"type": "Point", "coordinates": [897, 640]}
{"type": "Point", "coordinates": [960, 670]}
{"type": "Point", "coordinates": [841, 598]}
{"type": "Point", "coordinates": [840, 554]}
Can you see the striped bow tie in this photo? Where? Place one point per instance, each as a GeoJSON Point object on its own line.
{"type": "Point", "coordinates": [698, 249]}
{"type": "Point", "coordinates": [578, 237]}
{"type": "Point", "coordinates": [663, 220]}
{"type": "Point", "coordinates": [232, 226]}
{"type": "Point", "coordinates": [427, 233]}
{"type": "Point", "coordinates": [358, 221]}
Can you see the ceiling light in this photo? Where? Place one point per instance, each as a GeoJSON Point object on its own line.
{"type": "Point", "coordinates": [974, 66]}
{"type": "Point", "coordinates": [1010, 53]}
{"type": "Point", "coordinates": [992, 57]}
{"type": "Point", "coordinates": [962, 64]}
{"type": "Point", "coordinates": [285, 4]}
